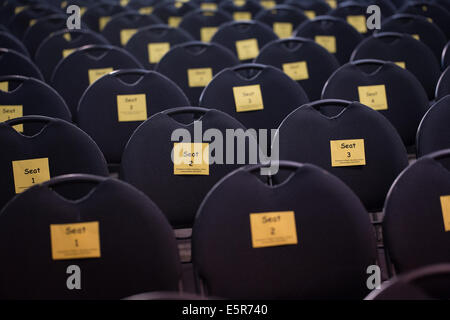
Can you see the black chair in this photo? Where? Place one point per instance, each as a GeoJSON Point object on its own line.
{"type": "Point", "coordinates": [355, 14]}
{"type": "Point", "coordinates": [417, 218]}
{"type": "Point", "coordinates": [427, 283]}
{"type": "Point", "coordinates": [311, 8]}
{"type": "Point", "coordinates": [259, 96]}
{"type": "Point", "coordinates": [177, 188]}
{"type": "Point", "coordinates": [282, 19]}
{"type": "Point", "coordinates": [172, 12]}
{"type": "Point", "coordinates": [124, 25]}
{"type": "Point", "coordinates": [58, 148]}
{"type": "Point", "coordinates": [60, 44]}
{"type": "Point", "coordinates": [150, 44]}
{"type": "Point", "coordinates": [15, 63]}
{"type": "Point", "coordinates": [245, 10]}
{"type": "Point", "coordinates": [11, 8]}
{"type": "Point", "coordinates": [406, 52]}
{"type": "Point", "coordinates": [85, 66]}
{"type": "Point", "coordinates": [96, 17]}
{"type": "Point", "coordinates": [393, 91]}
{"type": "Point", "coordinates": [115, 105]}
{"type": "Point", "coordinates": [202, 24]}
{"type": "Point", "coordinates": [334, 34]}
{"type": "Point", "coordinates": [443, 86]}
{"type": "Point", "coordinates": [351, 141]}
{"type": "Point", "coordinates": [300, 233]}
{"type": "Point", "coordinates": [433, 131]}
{"type": "Point", "coordinates": [8, 41]}
{"type": "Point", "coordinates": [446, 56]}
{"type": "Point", "coordinates": [244, 38]}
{"type": "Point", "coordinates": [420, 28]}
{"type": "Point", "coordinates": [106, 222]}
{"type": "Point", "coordinates": [192, 65]}
{"type": "Point", "coordinates": [303, 60]}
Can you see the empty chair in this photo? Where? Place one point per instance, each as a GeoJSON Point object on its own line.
{"type": "Point", "coordinates": [115, 105]}
{"type": "Point", "coordinates": [84, 66]}
{"type": "Point", "coordinates": [58, 148]}
{"type": "Point", "coordinates": [259, 96]}
{"type": "Point", "coordinates": [8, 41]}
{"type": "Point", "coordinates": [10, 9]}
{"type": "Point", "coordinates": [282, 19]}
{"type": "Point", "coordinates": [406, 52]}
{"type": "Point", "coordinates": [355, 14]}
{"type": "Point", "coordinates": [385, 87]}
{"type": "Point", "coordinates": [351, 141]}
{"type": "Point", "coordinates": [28, 16]}
{"type": "Point", "coordinates": [420, 28]}
{"type": "Point", "coordinates": [443, 86]}
{"type": "Point", "coordinates": [177, 186]}
{"type": "Point", "coordinates": [172, 12]}
{"type": "Point", "coordinates": [300, 233]}
{"type": "Point", "coordinates": [334, 34]}
{"type": "Point", "coordinates": [303, 60]}
{"type": "Point", "coordinates": [241, 10]}
{"type": "Point", "coordinates": [15, 63]}
{"type": "Point", "coordinates": [244, 38]}
{"type": "Point", "coordinates": [416, 221]}
{"type": "Point", "coordinates": [124, 25]}
{"type": "Point", "coordinates": [446, 56]}
{"type": "Point", "coordinates": [96, 17]}
{"type": "Point", "coordinates": [60, 44]}
{"type": "Point", "coordinates": [151, 43]}
{"type": "Point", "coordinates": [311, 8]}
{"type": "Point", "coordinates": [192, 65]}
{"type": "Point", "coordinates": [92, 235]}
{"type": "Point", "coordinates": [433, 133]}
{"type": "Point", "coordinates": [203, 24]}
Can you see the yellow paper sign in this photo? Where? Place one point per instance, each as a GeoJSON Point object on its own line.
{"type": "Point", "coordinates": [429, 19]}
{"type": "Point", "coordinates": [358, 22]}
{"type": "Point", "coordinates": [247, 49]}
{"type": "Point", "coordinates": [19, 9]}
{"type": "Point", "coordinates": [191, 159]}
{"type": "Point", "coordinates": [346, 153]}
{"type": "Point", "coordinates": [32, 22]}
{"type": "Point", "coordinates": [95, 74]}
{"type": "Point", "coordinates": [179, 4]}
{"type": "Point", "coordinates": [332, 3]}
{"type": "Point", "coordinates": [310, 14]}
{"type": "Point", "coordinates": [445, 205]}
{"type": "Point", "coordinates": [102, 22]}
{"type": "Point", "coordinates": [282, 29]}
{"type": "Point", "coordinates": [67, 36]}
{"type": "Point", "coordinates": [415, 36]}
{"type": "Point", "coordinates": [132, 107]}
{"type": "Point", "coordinates": [208, 6]}
{"type": "Point", "coordinates": [328, 42]}
{"type": "Point", "coordinates": [27, 173]}
{"type": "Point", "coordinates": [67, 52]}
{"type": "Point", "coordinates": [146, 10]}
{"type": "Point", "coordinates": [11, 112]}
{"type": "Point", "coordinates": [373, 96]}
{"type": "Point", "coordinates": [242, 15]}
{"type": "Point", "coordinates": [157, 50]}
{"type": "Point", "coordinates": [199, 77]}
{"type": "Point", "coordinates": [296, 70]}
{"type": "Point", "coordinates": [248, 98]}
{"type": "Point", "coordinates": [4, 86]}
{"type": "Point", "coordinates": [401, 64]}
{"type": "Point", "coordinates": [273, 229]}
{"type": "Point", "coordinates": [126, 34]}
{"type": "Point", "coordinates": [207, 33]}
{"type": "Point", "coordinates": [124, 3]}
{"type": "Point", "coordinates": [82, 10]}
{"type": "Point", "coordinates": [268, 4]}
{"type": "Point", "coordinates": [239, 3]}
{"type": "Point", "coordinates": [75, 240]}
{"type": "Point", "coordinates": [64, 4]}
{"type": "Point", "coordinates": [174, 22]}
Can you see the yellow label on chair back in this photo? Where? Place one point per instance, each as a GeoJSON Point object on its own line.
{"type": "Point", "coordinates": [124, 3]}
{"type": "Point", "coordinates": [373, 96]}
{"type": "Point", "coordinates": [242, 15]}
{"type": "Point", "coordinates": [32, 22]}
{"type": "Point", "coordinates": [208, 6]}
{"type": "Point", "coordinates": [11, 112]}
{"type": "Point", "coordinates": [358, 22]}
{"type": "Point", "coordinates": [174, 22]}
{"type": "Point", "coordinates": [283, 29]}
{"type": "Point", "coordinates": [239, 3]}
{"type": "Point", "coordinates": [126, 34]}
{"type": "Point", "coordinates": [328, 42]}
{"type": "Point", "coordinates": [207, 33]}
{"type": "Point", "coordinates": [401, 64]}
{"type": "Point", "coordinates": [132, 107]}
{"type": "Point", "coordinates": [346, 153]}
{"type": "Point", "coordinates": [296, 70]}
{"type": "Point", "coordinates": [310, 14]}
{"type": "Point", "coordinates": [191, 159]}
{"type": "Point", "coordinates": [27, 173]}
{"type": "Point", "coordinates": [199, 77]}
{"type": "Point", "coordinates": [4, 86]}
{"type": "Point", "coordinates": [415, 36]}
{"type": "Point", "coordinates": [247, 49]}
{"type": "Point", "coordinates": [146, 10]}
{"type": "Point", "coordinates": [102, 22]}
{"type": "Point", "coordinates": [248, 98]}
{"type": "Point", "coordinates": [67, 36]}
{"type": "Point", "coordinates": [445, 206]}
{"type": "Point", "coordinates": [332, 3]}
{"type": "Point", "coordinates": [95, 74]}
{"type": "Point", "coordinates": [157, 50]}
{"type": "Point", "coordinates": [75, 240]}
{"type": "Point", "coordinates": [273, 229]}
{"type": "Point", "coordinates": [67, 52]}
{"type": "Point", "coordinates": [267, 4]}
{"type": "Point", "coordinates": [19, 9]}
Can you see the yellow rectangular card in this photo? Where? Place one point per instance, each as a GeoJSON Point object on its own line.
{"type": "Point", "coordinates": [310, 14]}
{"type": "Point", "coordinates": [247, 49]}
{"type": "Point", "coordinates": [373, 96]}
{"type": "Point", "coordinates": [296, 70]}
{"type": "Point", "coordinates": [102, 22]}
{"type": "Point", "coordinates": [332, 3]}
{"type": "Point", "coordinates": [95, 74]}
{"type": "Point", "coordinates": [358, 22]}
{"type": "Point", "coordinates": [208, 6]}
{"type": "Point", "coordinates": [4, 86]}
{"type": "Point", "coordinates": [415, 36]}
{"type": "Point", "coordinates": [283, 29]}
{"type": "Point", "coordinates": [328, 42]}
{"type": "Point", "coordinates": [273, 229]}
{"type": "Point", "coordinates": [146, 10]}
{"type": "Point", "coordinates": [126, 34]}
{"type": "Point", "coordinates": [132, 107]}
{"type": "Point", "coordinates": [345, 153]}
{"type": "Point", "coordinates": [191, 159]}
{"type": "Point", "coordinates": [199, 77]}
{"type": "Point", "coordinates": [157, 50]}
{"type": "Point", "coordinates": [207, 33]}
{"type": "Point", "coordinates": [242, 15]}
{"type": "Point", "coordinates": [401, 64]}
{"type": "Point", "coordinates": [11, 112]}
{"type": "Point", "coordinates": [174, 22]}
{"type": "Point", "coordinates": [29, 172]}
{"type": "Point", "coordinates": [248, 98]}
{"type": "Point", "coordinates": [268, 4]}
{"type": "Point", "coordinates": [445, 206]}
{"type": "Point", "coordinates": [67, 52]}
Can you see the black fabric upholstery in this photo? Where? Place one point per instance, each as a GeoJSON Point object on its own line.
{"type": "Point", "coordinates": [78, 64]}
{"type": "Point", "coordinates": [443, 86]}
{"type": "Point", "coordinates": [126, 20]}
{"type": "Point", "coordinates": [433, 133]}
{"type": "Point", "coordinates": [319, 8]}
{"type": "Point", "coordinates": [280, 94]}
{"type": "Point", "coordinates": [446, 56]}
{"type": "Point", "coordinates": [194, 21]}
{"type": "Point", "coordinates": [305, 136]}
{"type": "Point", "coordinates": [428, 32]}
{"type": "Point", "coordinates": [8, 41]}
{"type": "Point", "coordinates": [281, 13]}
{"type": "Point", "coordinates": [98, 115]}
{"type": "Point", "coordinates": [335, 239]}
{"type": "Point", "coordinates": [15, 63]}
{"type": "Point", "coordinates": [250, 6]}
{"type": "Point", "coordinates": [229, 33]}
{"type": "Point", "coordinates": [178, 196]}
{"type": "Point", "coordinates": [21, 22]}
{"type": "Point", "coordinates": [399, 47]}
{"type": "Point", "coordinates": [104, 9]}
{"type": "Point", "coordinates": [192, 55]}
{"type": "Point", "coordinates": [320, 63]}
{"type": "Point", "coordinates": [168, 9]}
{"type": "Point", "coordinates": [137, 246]}
{"type": "Point", "coordinates": [50, 51]}
{"type": "Point", "coordinates": [347, 38]}
{"type": "Point", "coordinates": [406, 99]}
{"type": "Point", "coordinates": [414, 232]}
